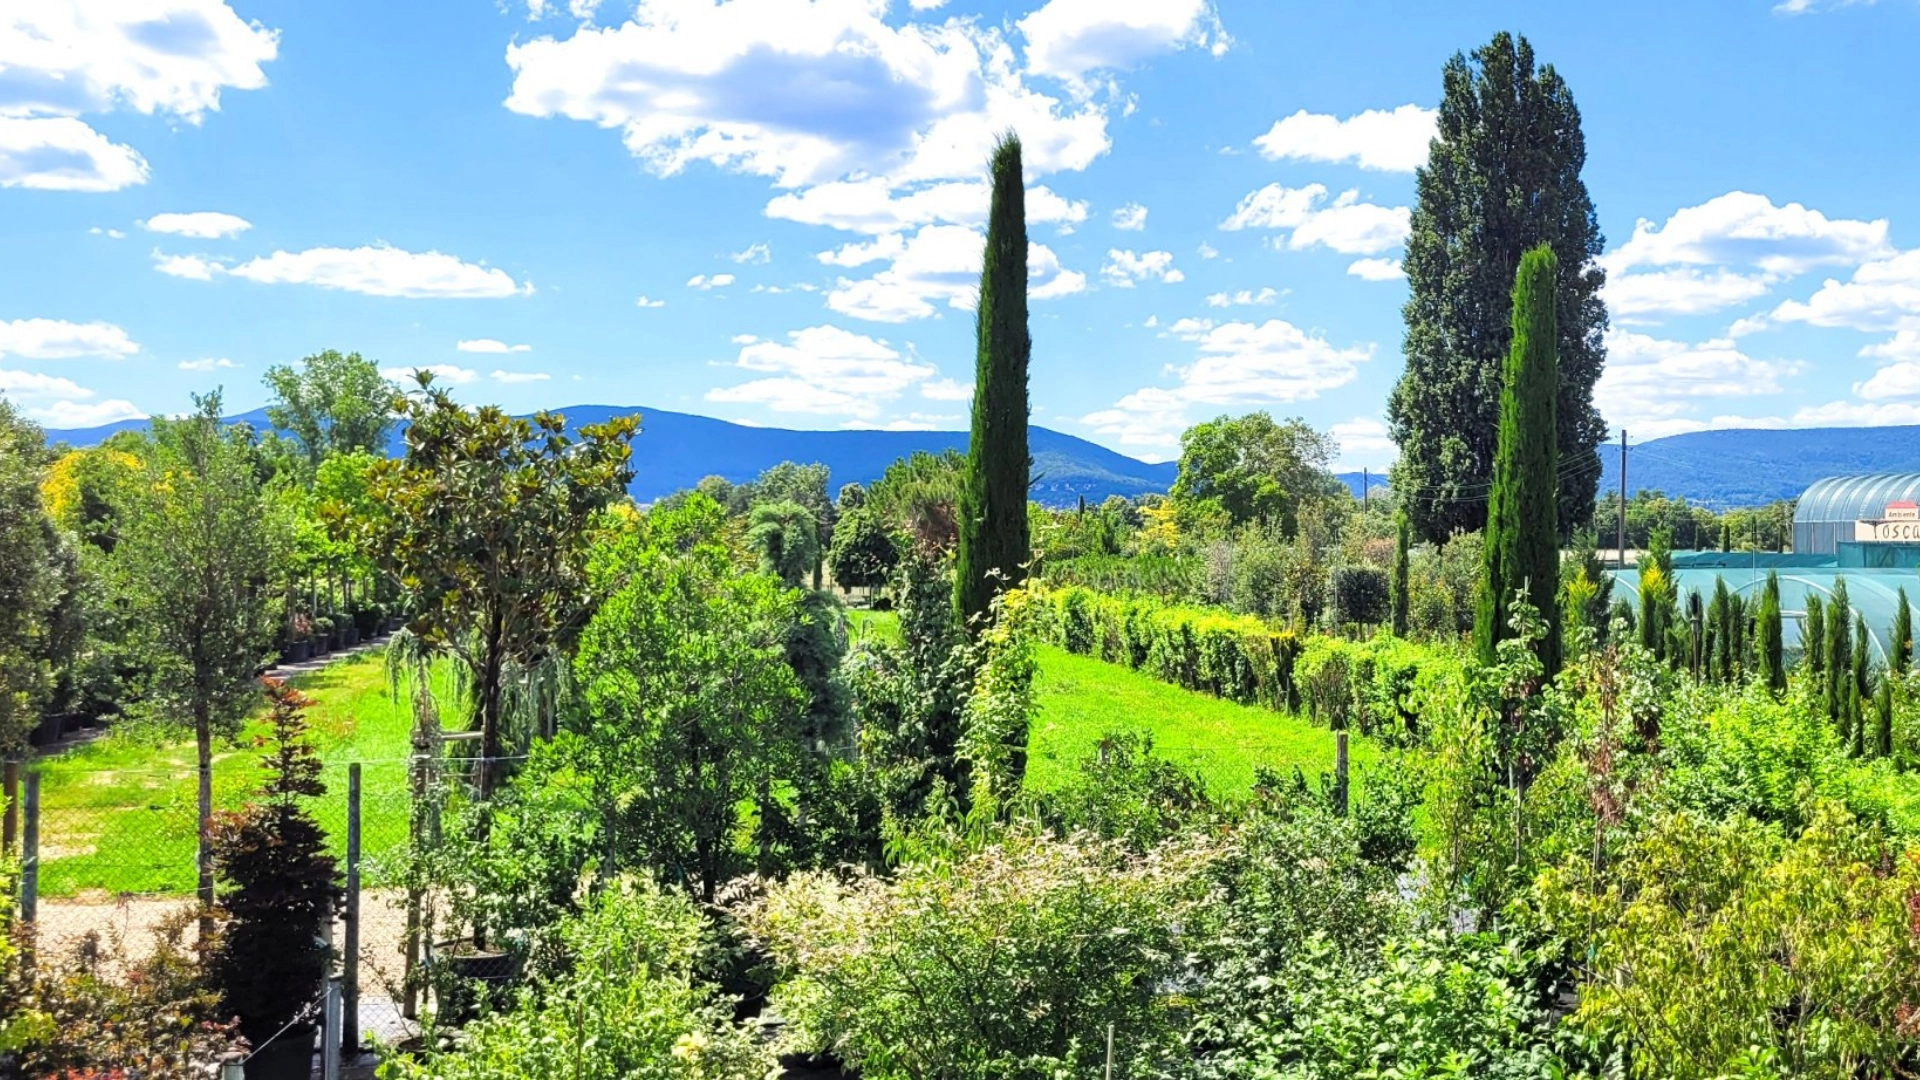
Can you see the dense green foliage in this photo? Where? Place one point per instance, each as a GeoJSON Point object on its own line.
{"type": "Point", "coordinates": [1522, 545]}
{"type": "Point", "coordinates": [333, 404]}
{"type": "Point", "coordinates": [1251, 469]}
{"type": "Point", "coordinates": [1502, 177]}
{"type": "Point", "coordinates": [994, 545]}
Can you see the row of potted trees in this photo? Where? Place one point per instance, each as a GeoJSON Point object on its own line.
{"type": "Point", "coordinates": [309, 636]}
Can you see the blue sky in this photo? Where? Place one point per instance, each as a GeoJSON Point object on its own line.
{"type": "Point", "coordinates": [768, 210]}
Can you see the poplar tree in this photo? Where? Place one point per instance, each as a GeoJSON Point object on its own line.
{"type": "Point", "coordinates": [1772, 653]}
{"type": "Point", "coordinates": [1502, 176]}
{"type": "Point", "coordinates": [1402, 560]}
{"type": "Point", "coordinates": [1522, 545]}
{"type": "Point", "coordinates": [992, 509]}
{"type": "Point", "coordinates": [1901, 659]}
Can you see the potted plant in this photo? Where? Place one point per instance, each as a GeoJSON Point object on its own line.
{"type": "Point", "coordinates": [300, 645]}
{"type": "Point", "coordinates": [279, 893]}
{"type": "Point", "coordinates": [322, 636]}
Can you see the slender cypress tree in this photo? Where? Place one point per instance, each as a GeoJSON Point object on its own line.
{"type": "Point", "coordinates": [993, 496]}
{"type": "Point", "coordinates": [1839, 657]}
{"type": "Point", "coordinates": [1772, 647]}
{"type": "Point", "coordinates": [1883, 733]}
{"type": "Point", "coordinates": [1724, 635]}
{"type": "Point", "coordinates": [1813, 642]}
{"type": "Point", "coordinates": [1522, 546]}
{"type": "Point", "coordinates": [1402, 563]}
{"type": "Point", "coordinates": [1902, 659]}
{"type": "Point", "coordinates": [1861, 692]}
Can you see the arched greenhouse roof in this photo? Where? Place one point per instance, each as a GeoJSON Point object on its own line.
{"type": "Point", "coordinates": [1825, 515]}
{"type": "Point", "coordinates": [1873, 594]}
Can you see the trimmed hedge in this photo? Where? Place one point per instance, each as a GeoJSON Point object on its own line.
{"type": "Point", "coordinates": [1368, 686]}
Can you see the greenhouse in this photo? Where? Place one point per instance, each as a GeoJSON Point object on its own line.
{"type": "Point", "coordinates": [1873, 593]}
{"type": "Point", "coordinates": [1844, 510]}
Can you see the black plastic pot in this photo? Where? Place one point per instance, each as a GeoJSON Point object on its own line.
{"type": "Point", "coordinates": [45, 733]}
{"type": "Point", "coordinates": [289, 1057]}
{"type": "Point", "coordinates": [468, 975]}
{"type": "Point", "coordinates": [299, 652]}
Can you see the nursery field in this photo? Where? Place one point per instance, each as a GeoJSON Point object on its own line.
{"type": "Point", "coordinates": [117, 814]}
{"type": "Point", "coordinates": [1080, 700]}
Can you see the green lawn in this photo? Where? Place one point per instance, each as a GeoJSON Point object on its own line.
{"type": "Point", "coordinates": [117, 814]}
{"type": "Point", "coordinates": [1082, 699]}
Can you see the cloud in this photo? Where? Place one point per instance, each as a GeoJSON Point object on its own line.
{"type": "Point", "coordinates": [111, 234]}
{"type": "Point", "coordinates": [1643, 297]}
{"type": "Point", "coordinates": [1069, 38]}
{"type": "Point", "coordinates": [31, 385]}
{"type": "Point", "coordinates": [371, 271]}
{"type": "Point", "coordinates": [1858, 414]}
{"type": "Point", "coordinates": [511, 377]}
{"type": "Point", "coordinates": [1238, 364]}
{"type": "Point", "coordinates": [1376, 269]}
{"type": "Point", "coordinates": [823, 369]}
{"type": "Point", "coordinates": [1882, 295]}
{"type": "Point", "coordinates": [489, 345]}
{"type": "Point", "coordinates": [1131, 217]}
{"type": "Point", "coordinates": [946, 390]}
{"type": "Point", "coordinates": [646, 303]}
{"type": "Point", "coordinates": [76, 414]}
{"type": "Point", "coordinates": [755, 253]}
{"type": "Point", "coordinates": [1124, 268]}
{"type": "Point", "coordinates": [1242, 298]}
{"type": "Point", "coordinates": [872, 205]}
{"type": "Point", "coordinates": [1364, 442]}
{"type": "Point", "coordinates": [1805, 7]}
{"type": "Point", "coordinates": [450, 374]}
{"type": "Point", "coordinates": [705, 282]}
{"type": "Point", "coordinates": [1743, 229]}
{"type": "Point", "coordinates": [55, 339]}
{"type": "Point", "coordinates": [1652, 385]}
{"type": "Point", "coordinates": [1207, 251]}
{"type": "Point", "coordinates": [64, 154]}
{"type": "Point", "coordinates": [1389, 141]}
{"type": "Point", "coordinates": [802, 91]}
{"type": "Point", "coordinates": [64, 59]}
{"type": "Point", "coordinates": [203, 225]}
{"type": "Point", "coordinates": [210, 364]}
{"type": "Point", "coordinates": [938, 263]}
{"type": "Point", "coordinates": [1345, 224]}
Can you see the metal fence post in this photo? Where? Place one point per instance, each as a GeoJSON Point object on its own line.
{"type": "Point", "coordinates": [30, 860]}
{"type": "Point", "coordinates": [1340, 773]}
{"type": "Point", "coordinates": [350, 962]}
{"type": "Point", "coordinates": [330, 1032]}
{"type": "Point", "coordinates": [10, 793]}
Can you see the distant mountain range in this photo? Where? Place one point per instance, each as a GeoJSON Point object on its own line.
{"type": "Point", "coordinates": [1754, 466]}
{"type": "Point", "coordinates": [675, 450]}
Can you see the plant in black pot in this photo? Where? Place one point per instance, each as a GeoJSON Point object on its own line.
{"type": "Point", "coordinates": [322, 635]}
{"type": "Point", "coordinates": [279, 892]}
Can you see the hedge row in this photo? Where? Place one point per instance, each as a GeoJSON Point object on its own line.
{"type": "Point", "coordinates": [1368, 685]}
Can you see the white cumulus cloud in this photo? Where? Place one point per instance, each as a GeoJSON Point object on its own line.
{"type": "Point", "coordinates": [1387, 140]}
{"type": "Point", "coordinates": [209, 364]}
{"type": "Point", "coordinates": [519, 376]}
{"type": "Point", "coordinates": [823, 369]}
{"type": "Point", "coordinates": [1069, 38]}
{"type": "Point", "coordinates": [1242, 298]}
{"type": "Point", "coordinates": [755, 253]}
{"type": "Point", "coordinates": [201, 225]}
{"type": "Point", "coordinates": [1343, 224]}
{"type": "Point", "coordinates": [1124, 268]}
{"type": "Point", "coordinates": [56, 339]}
{"type": "Point", "coordinates": [1881, 295]}
{"type": "Point", "coordinates": [1744, 229]}
{"type": "Point", "coordinates": [646, 303]}
{"type": "Point", "coordinates": [1647, 295]}
{"type": "Point", "coordinates": [937, 264]}
{"type": "Point", "coordinates": [489, 345]}
{"type": "Point", "coordinates": [64, 154]}
{"type": "Point", "coordinates": [1376, 269]}
{"type": "Point", "coordinates": [1656, 386]}
{"type": "Point", "coordinates": [1131, 217]}
{"type": "Point", "coordinates": [874, 205]}
{"type": "Point", "coordinates": [706, 282]}
{"type": "Point", "coordinates": [372, 271]}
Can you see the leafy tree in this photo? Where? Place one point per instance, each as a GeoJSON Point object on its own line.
{"type": "Point", "coordinates": [1771, 645]}
{"type": "Point", "coordinates": [1252, 468]}
{"type": "Point", "coordinates": [992, 509]}
{"type": "Point", "coordinates": [1523, 552]}
{"type": "Point", "coordinates": [786, 536]}
{"type": "Point", "coordinates": [193, 562]}
{"type": "Point", "coordinates": [486, 524]}
{"type": "Point", "coordinates": [1402, 563]}
{"type": "Point", "coordinates": [693, 706]}
{"type": "Point", "coordinates": [864, 552]}
{"type": "Point", "coordinates": [919, 495]}
{"type": "Point", "coordinates": [333, 403]}
{"type": "Point", "coordinates": [1502, 177]}
{"type": "Point", "coordinates": [853, 496]}
{"type": "Point", "coordinates": [31, 552]}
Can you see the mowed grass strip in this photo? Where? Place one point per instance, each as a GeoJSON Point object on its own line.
{"type": "Point", "coordinates": [117, 815]}
{"type": "Point", "coordinates": [1081, 700]}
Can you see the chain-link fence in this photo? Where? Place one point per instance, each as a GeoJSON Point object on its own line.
{"type": "Point", "coordinates": [109, 857]}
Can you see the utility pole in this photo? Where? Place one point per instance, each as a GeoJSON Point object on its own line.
{"type": "Point", "coordinates": [1366, 487]}
{"type": "Point", "coordinates": [1623, 498]}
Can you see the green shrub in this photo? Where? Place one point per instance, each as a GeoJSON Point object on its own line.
{"type": "Point", "coordinates": [1010, 960]}
{"type": "Point", "coordinates": [617, 999]}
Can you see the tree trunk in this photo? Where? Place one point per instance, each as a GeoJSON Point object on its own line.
{"type": "Point", "coordinates": [203, 739]}
{"type": "Point", "coordinates": [490, 710]}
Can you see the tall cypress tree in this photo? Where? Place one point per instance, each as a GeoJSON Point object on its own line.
{"type": "Point", "coordinates": [1861, 690]}
{"type": "Point", "coordinates": [1402, 565]}
{"type": "Point", "coordinates": [993, 496]}
{"type": "Point", "coordinates": [1839, 661]}
{"type": "Point", "coordinates": [1813, 642]}
{"type": "Point", "coordinates": [1771, 634]}
{"type": "Point", "coordinates": [1883, 730]}
{"type": "Point", "coordinates": [1522, 545]}
{"type": "Point", "coordinates": [1502, 176]}
{"type": "Point", "coordinates": [1902, 659]}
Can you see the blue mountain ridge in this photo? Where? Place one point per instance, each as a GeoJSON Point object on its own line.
{"type": "Point", "coordinates": [1754, 466]}
{"type": "Point", "coordinates": [675, 450]}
